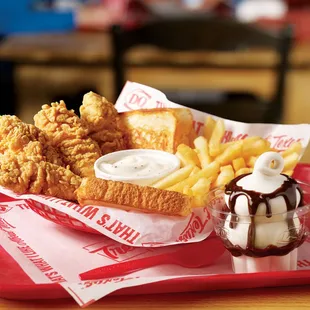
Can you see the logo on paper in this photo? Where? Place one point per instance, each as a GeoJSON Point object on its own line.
{"type": "Point", "coordinates": [195, 226]}
{"type": "Point", "coordinates": [4, 208]}
{"type": "Point", "coordinates": [115, 251]}
{"type": "Point", "coordinates": [140, 99]}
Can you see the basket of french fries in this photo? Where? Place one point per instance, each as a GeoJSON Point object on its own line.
{"type": "Point", "coordinates": [51, 167]}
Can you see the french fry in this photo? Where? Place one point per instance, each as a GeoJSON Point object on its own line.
{"type": "Point", "coordinates": [201, 145]}
{"type": "Point", "coordinates": [290, 161]}
{"type": "Point", "coordinates": [295, 147]}
{"type": "Point", "coordinates": [201, 187]}
{"type": "Point", "coordinates": [249, 140]}
{"type": "Point", "coordinates": [187, 191]}
{"type": "Point", "coordinates": [224, 146]}
{"type": "Point", "coordinates": [209, 172]}
{"type": "Point", "coordinates": [248, 145]}
{"type": "Point", "coordinates": [199, 201]}
{"type": "Point", "coordinates": [174, 178]}
{"type": "Point", "coordinates": [187, 155]}
{"type": "Point", "coordinates": [232, 152]}
{"type": "Point", "coordinates": [226, 175]}
{"type": "Point", "coordinates": [251, 161]}
{"type": "Point", "coordinates": [194, 171]}
{"type": "Point", "coordinates": [243, 171]}
{"type": "Point", "coordinates": [216, 137]}
{"type": "Point", "coordinates": [214, 163]}
{"type": "Point", "coordinates": [238, 163]}
{"type": "Point", "coordinates": [254, 147]}
{"type": "Point", "coordinates": [209, 127]}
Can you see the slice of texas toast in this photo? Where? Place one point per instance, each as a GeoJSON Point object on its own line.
{"type": "Point", "coordinates": [160, 129]}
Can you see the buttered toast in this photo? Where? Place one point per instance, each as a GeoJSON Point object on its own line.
{"type": "Point", "coordinates": [132, 197]}
{"type": "Point", "coordinates": [160, 129]}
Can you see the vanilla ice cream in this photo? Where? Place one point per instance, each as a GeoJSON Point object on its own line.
{"type": "Point", "coordinates": [262, 228]}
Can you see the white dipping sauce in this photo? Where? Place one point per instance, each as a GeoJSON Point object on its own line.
{"type": "Point", "coordinates": [137, 166]}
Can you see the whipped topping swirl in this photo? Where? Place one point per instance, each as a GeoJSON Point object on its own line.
{"type": "Point", "coordinates": [262, 220]}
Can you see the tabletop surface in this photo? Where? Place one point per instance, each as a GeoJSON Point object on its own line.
{"type": "Point", "coordinates": [262, 299]}
{"type": "Point", "coordinates": [95, 48]}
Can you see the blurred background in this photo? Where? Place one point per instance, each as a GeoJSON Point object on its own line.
{"type": "Point", "coordinates": [247, 60]}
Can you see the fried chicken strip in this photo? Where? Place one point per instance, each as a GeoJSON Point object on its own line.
{"type": "Point", "coordinates": [103, 122]}
{"type": "Point", "coordinates": [22, 175]}
{"type": "Point", "coordinates": [17, 136]}
{"type": "Point", "coordinates": [68, 133]}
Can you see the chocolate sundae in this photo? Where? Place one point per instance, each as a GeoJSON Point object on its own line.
{"type": "Point", "coordinates": [262, 227]}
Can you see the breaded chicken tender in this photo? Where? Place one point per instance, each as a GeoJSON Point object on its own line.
{"type": "Point", "coordinates": [17, 136]}
{"type": "Point", "coordinates": [22, 175]}
{"type": "Point", "coordinates": [68, 133]}
{"type": "Point", "coordinates": [103, 122]}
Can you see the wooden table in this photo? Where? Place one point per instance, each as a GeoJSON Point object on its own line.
{"type": "Point", "coordinates": [260, 299]}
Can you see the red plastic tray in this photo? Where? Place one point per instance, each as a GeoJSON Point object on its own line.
{"type": "Point", "coordinates": [15, 284]}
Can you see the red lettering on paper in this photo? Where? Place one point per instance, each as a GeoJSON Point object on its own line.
{"type": "Point", "coordinates": [13, 237]}
{"type": "Point", "coordinates": [109, 280]}
{"type": "Point", "coordinates": [89, 212]}
{"type": "Point", "coordinates": [197, 126]}
{"type": "Point", "coordinates": [78, 208]}
{"type": "Point", "coordinates": [279, 142]}
{"type": "Point", "coordinates": [195, 226]}
{"type": "Point", "coordinates": [282, 142]}
{"type": "Point", "coordinates": [5, 225]}
{"type": "Point", "coordinates": [109, 228]}
{"type": "Point", "coordinates": [27, 250]}
{"type": "Point", "coordinates": [119, 228]}
{"type": "Point", "coordinates": [68, 204]}
{"type": "Point", "coordinates": [160, 104]}
{"type": "Point", "coordinates": [5, 209]}
{"type": "Point", "coordinates": [116, 251]}
{"type": "Point", "coordinates": [123, 231]}
{"type": "Point", "coordinates": [55, 277]}
{"type": "Point", "coordinates": [104, 219]}
{"type": "Point", "coordinates": [228, 136]}
{"type": "Point", "coordinates": [303, 263]}
{"type": "Point", "coordinates": [22, 206]}
{"type": "Point", "coordinates": [134, 238]}
{"type": "Point", "coordinates": [136, 99]}
{"type": "Point", "coordinates": [34, 257]}
{"type": "Point", "coordinates": [127, 233]}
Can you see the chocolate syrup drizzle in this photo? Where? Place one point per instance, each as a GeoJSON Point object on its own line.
{"type": "Point", "coordinates": [288, 191]}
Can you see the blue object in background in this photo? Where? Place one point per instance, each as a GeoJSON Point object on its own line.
{"type": "Point", "coordinates": [18, 17]}
{"type": "Point", "coordinates": [235, 3]}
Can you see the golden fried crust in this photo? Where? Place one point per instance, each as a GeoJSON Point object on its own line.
{"type": "Point", "coordinates": [132, 197]}
{"type": "Point", "coordinates": [59, 123]}
{"type": "Point", "coordinates": [80, 155]}
{"type": "Point", "coordinates": [109, 140]}
{"type": "Point", "coordinates": [69, 134]}
{"type": "Point", "coordinates": [103, 122]}
{"type": "Point", "coordinates": [17, 136]}
{"type": "Point", "coordinates": [22, 175]}
{"type": "Point", "coordinates": [98, 112]}
{"type": "Point", "coordinates": [52, 156]}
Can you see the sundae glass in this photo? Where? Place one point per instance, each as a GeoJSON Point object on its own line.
{"type": "Point", "coordinates": [262, 217]}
